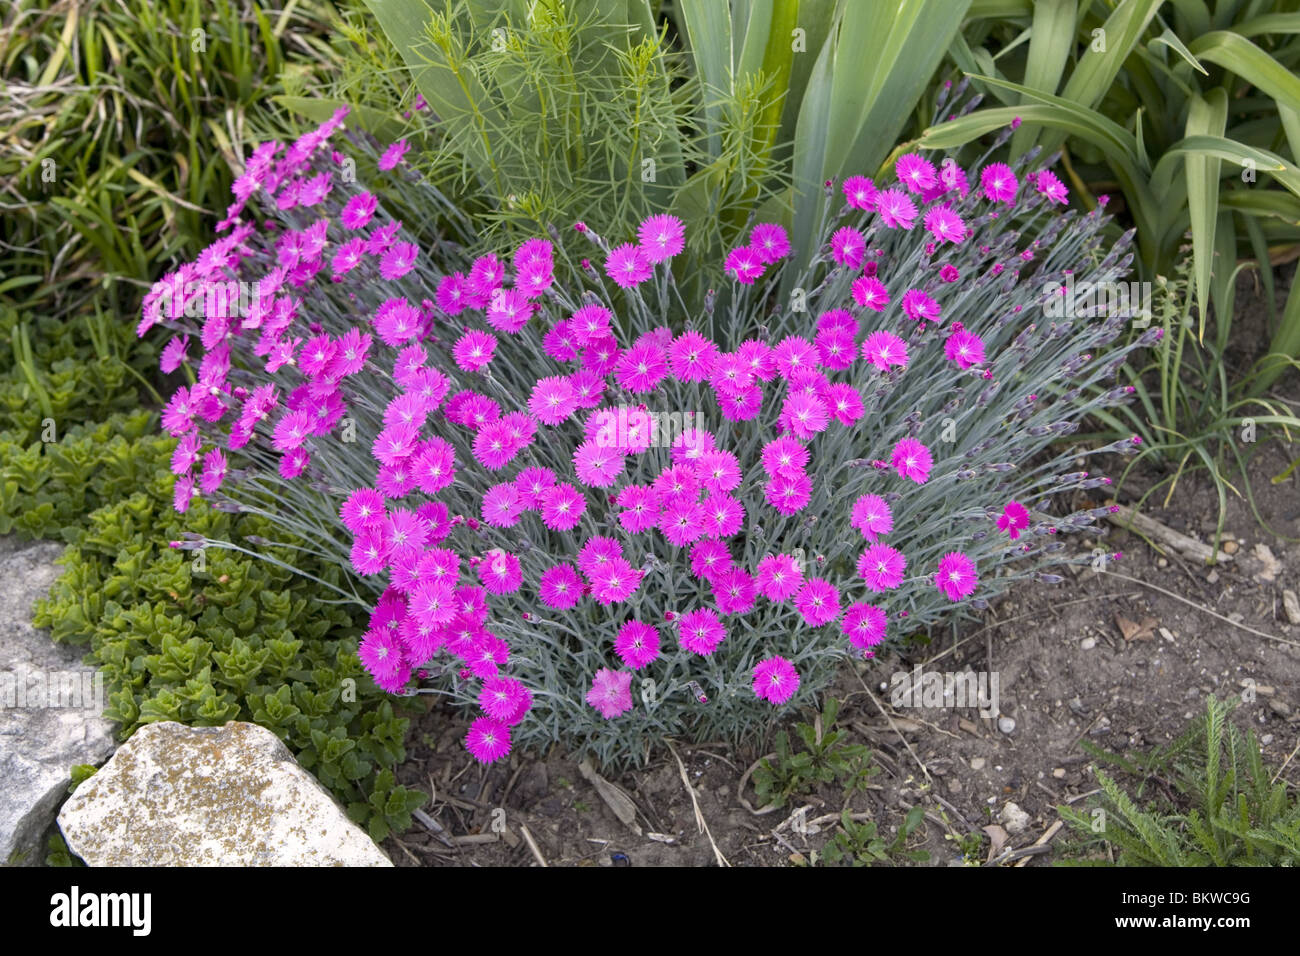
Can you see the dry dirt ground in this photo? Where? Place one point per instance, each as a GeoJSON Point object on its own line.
{"type": "Point", "coordinates": [1123, 658]}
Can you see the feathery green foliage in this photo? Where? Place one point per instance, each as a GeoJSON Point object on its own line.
{"type": "Point", "coordinates": [1229, 812]}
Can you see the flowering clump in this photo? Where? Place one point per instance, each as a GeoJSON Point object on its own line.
{"type": "Point", "coordinates": [546, 478]}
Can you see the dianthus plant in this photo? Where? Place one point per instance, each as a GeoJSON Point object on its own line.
{"type": "Point", "coordinates": [600, 514]}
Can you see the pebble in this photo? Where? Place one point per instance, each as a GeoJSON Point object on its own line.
{"type": "Point", "coordinates": [977, 763]}
{"type": "Point", "coordinates": [1162, 562]}
{"type": "Point", "coordinates": [1088, 643]}
{"type": "Point", "coordinates": [1279, 707]}
{"type": "Point", "coordinates": [1006, 724]}
{"type": "Point", "coordinates": [1013, 818]}
{"type": "Point", "coordinates": [1059, 773]}
{"type": "Point", "coordinates": [1266, 739]}
{"type": "Point", "coordinates": [1291, 603]}
{"type": "Point", "coordinates": [1229, 547]}
{"type": "Point", "coordinates": [1212, 577]}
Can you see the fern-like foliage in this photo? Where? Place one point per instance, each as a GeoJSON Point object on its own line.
{"type": "Point", "coordinates": [1221, 807]}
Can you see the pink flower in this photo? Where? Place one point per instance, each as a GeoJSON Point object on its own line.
{"type": "Point", "coordinates": [788, 495]}
{"type": "Point", "coordinates": [614, 581]}
{"type": "Point", "coordinates": [598, 466]}
{"type": "Point", "coordinates": [805, 415]}
{"type": "Point", "coordinates": [700, 632]}
{"type": "Point", "coordinates": [640, 508]}
{"type": "Point", "coordinates": [661, 237]}
{"type": "Point", "coordinates": [691, 356]}
{"type": "Point", "coordinates": [911, 459]}
{"type": "Point", "coordinates": [642, 367]}
{"type": "Point", "coordinates": [818, 601]}
{"type": "Point", "coordinates": [864, 625]}
{"type": "Point", "coordinates": [733, 589]}
{"type": "Point", "coordinates": [611, 692]}
{"type": "Point", "coordinates": [488, 740]}
{"type": "Point", "coordinates": [182, 493]}
{"type": "Point", "coordinates": [509, 310]}
{"type": "Point", "coordinates": [919, 306]}
{"type": "Point", "coordinates": [896, 210]}
{"type": "Point", "coordinates": [553, 400]}
{"type": "Point", "coordinates": [784, 456]}
{"type": "Point", "coordinates": [709, 557]}
{"type": "Point", "coordinates": [779, 577]}
{"type": "Point", "coordinates": [836, 348]}
{"type": "Point", "coordinates": [499, 572]}
{"type": "Point", "coordinates": [870, 293]}
{"type": "Point", "coordinates": [883, 349]}
{"type": "Point", "coordinates": [915, 172]}
{"type": "Point", "coordinates": [882, 567]}
{"type": "Point", "coordinates": [505, 699]}
{"type": "Point", "coordinates": [871, 516]}
{"type": "Point", "coordinates": [380, 652]}
{"type": "Point", "coordinates": [562, 507]}
{"type": "Point", "coordinates": [775, 680]}
{"type": "Point", "coordinates": [628, 265]}
{"type": "Point", "coordinates": [637, 644]}
{"type": "Point", "coordinates": [859, 192]}
{"type": "Point", "coordinates": [770, 242]}
{"type": "Point", "coordinates": [398, 260]}
{"type": "Point", "coordinates": [744, 264]}
{"type": "Point", "coordinates": [474, 350]}
{"type": "Point", "coordinates": [964, 348]}
{"type": "Point", "coordinates": [392, 156]}
{"type": "Point", "coordinates": [589, 324]}
{"type": "Point", "coordinates": [1051, 187]}
{"type": "Point", "coordinates": [956, 576]}
{"type": "Point", "coordinates": [999, 182]}
{"type": "Point", "coordinates": [848, 247]}
{"type": "Point", "coordinates": [845, 403]}
{"type": "Point", "coordinates": [173, 354]}
{"type": "Point", "coordinates": [1014, 519]}
{"type": "Point", "coordinates": [945, 225]}
{"type": "Point", "coordinates": [560, 587]}
{"type": "Point", "coordinates": [214, 471]}
{"type": "Point", "coordinates": [358, 210]}
{"type": "Point", "coordinates": [501, 506]}
{"type": "Point", "coordinates": [681, 521]}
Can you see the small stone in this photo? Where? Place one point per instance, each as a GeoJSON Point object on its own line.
{"type": "Point", "coordinates": [1013, 818]}
{"type": "Point", "coordinates": [1270, 564]}
{"type": "Point", "coordinates": [1059, 773]}
{"type": "Point", "coordinates": [977, 763]}
{"type": "Point", "coordinates": [1088, 643]}
{"type": "Point", "coordinates": [1213, 576]}
{"type": "Point", "coordinates": [1266, 739]}
{"type": "Point", "coordinates": [1230, 547]}
{"type": "Point", "coordinates": [1279, 708]}
{"type": "Point", "coordinates": [1291, 604]}
{"type": "Point", "coordinates": [1006, 724]}
{"type": "Point", "coordinates": [1162, 562]}
{"type": "Point", "coordinates": [1167, 635]}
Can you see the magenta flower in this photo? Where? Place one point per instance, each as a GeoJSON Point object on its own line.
{"type": "Point", "coordinates": [870, 293]}
{"type": "Point", "coordinates": [733, 589]}
{"type": "Point", "coordinates": [628, 265]}
{"type": "Point", "coordinates": [1051, 187]}
{"type": "Point", "coordinates": [398, 260]}
{"type": "Point", "coordinates": [553, 400]}
{"type": "Point", "coordinates": [965, 348]}
{"type": "Point", "coordinates": [1014, 519]}
{"type": "Point", "coordinates": [956, 576]}
{"type": "Point", "coordinates": [770, 242]}
{"type": "Point", "coordinates": [393, 155]}
{"type": "Point", "coordinates": [847, 247]}
{"type": "Point", "coordinates": [911, 459]}
{"type": "Point", "coordinates": [896, 210]}
{"type": "Point", "coordinates": [661, 237]}
{"type": "Point", "coordinates": [744, 265]}
{"type": "Point", "coordinates": [999, 182]}
{"type": "Point", "coordinates": [214, 471]}
{"type": "Point", "coordinates": [560, 587]}
{"type": "Point", "coordinates": [501, 506]}
{"type": "Point", "coordinates": [562, 507]}
{"type": "Point", "coordinates": [871, 516]}
{"type": "Point", "coordinates": [919, 306]}
{"type": "Point", "coordinates": [681, 521]}
{"type": "Point", "coordinates": [380, 652]}
{"type": "Point", "coordinates": [818, 601]}
{"type": "Point", "coordinates": [611, 692]}
{"type": "Point", "coordinates": [883, 349]}
{"type": "Point", "coordinates": [700, 632]}
{"type": "Point", "coordinates": [788, 495]}
{"type": "Point", "coordinates": [882, 567]}
{"type": "Point", "coordinates": [598, 466]}
{"type": "Point", "coordinates": [859, 192]}
{"type": "Point", "coordinates": [173, 354]}
{"type": "Point", "coordinates": [775, 680]}
{"type": "Point", "coordinates": [358, 210]}
{"type": "Point", "coordinates": [642, 367]}
{"type": "Point", "coordinates": [637, 644]}
{"type": "Point", "coordinates": [864, 625]}
{"type": "Point", "coordinates": [488, 740]}
{"type": "Point", "coordinates": [691, 356]}
{"type": "Point", "coordinates": [779, 577]}
{"type": "Point", "coordinates": [474, 350]}
{"type": "Point", "coordinates": [709, 557]}
{"type": "Point", "coordinates": [509, 310]}
{"type": "Point", "coordinates": [640, 508]}
{"type": "Point", "coordinates": [505, 699]}
{"type": "Point", "coordinates": [915, 172]}
{"type": "Point", "coordinates": [944, 224]}
{"type": "Point", "coordinates": [499, 572]}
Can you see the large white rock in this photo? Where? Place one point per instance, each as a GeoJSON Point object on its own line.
{"type": "Point", "coordinates": [210, 796]}
{"type": "Point", "coordinates": [49, 705]}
